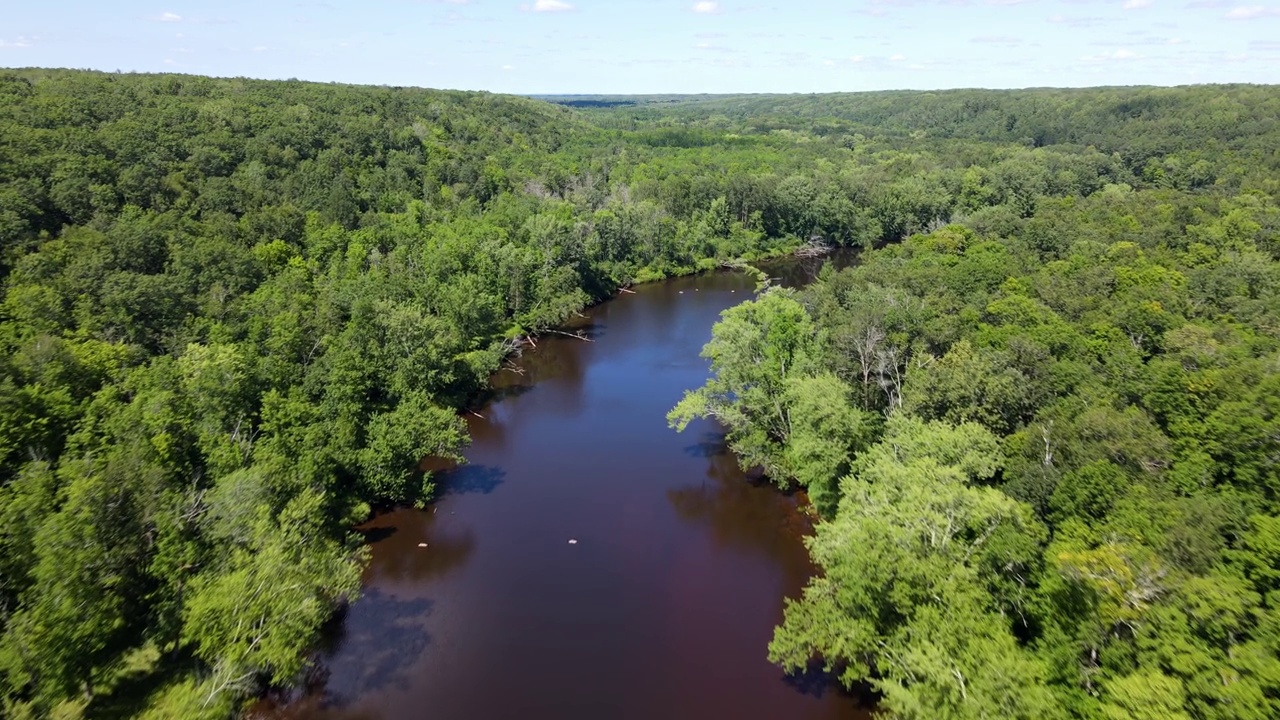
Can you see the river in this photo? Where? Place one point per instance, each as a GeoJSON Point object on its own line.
{"type": "Point", "coordinates": [587, 562]}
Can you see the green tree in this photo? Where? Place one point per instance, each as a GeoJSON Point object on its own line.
{"type": "Point", "coordinates": [754, 350]}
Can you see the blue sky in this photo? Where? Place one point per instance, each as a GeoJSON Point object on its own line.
{"type": "Point", "coordinates": [638, 46]}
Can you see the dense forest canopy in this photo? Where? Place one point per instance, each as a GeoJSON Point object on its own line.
{"type": "Point", "coordinates": [1038, 422]}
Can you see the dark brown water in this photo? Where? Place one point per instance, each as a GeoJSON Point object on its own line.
{"type": "Point", "coordinates": [664, 606]}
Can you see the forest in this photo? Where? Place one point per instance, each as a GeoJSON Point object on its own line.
{"type": "Point", "coordinates": [1038, 424]}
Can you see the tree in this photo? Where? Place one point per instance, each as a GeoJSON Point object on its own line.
{"type": "Point", "coordinates": [907, 564]}
{"type": "Point", "coordinates": [754, 350]}
{"type": "Point", "coordinates": [264, 604]}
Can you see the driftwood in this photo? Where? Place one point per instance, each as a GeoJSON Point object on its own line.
{"type": "Point", "coordinates": [577, 335]}
{"type": "Point", "coordinates": [627, 291]}
{"type": "Point", "coordinates": [816, 247]}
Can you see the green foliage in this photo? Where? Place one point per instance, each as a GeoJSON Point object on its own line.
{"type": "Point", "coordinates": [912, 528]}
{"type": "Point", "coordinates": [236, 315]}
{"type": "Point", "coordinates": [781, 414]}
{"type": "Point", "coordinates": [1071, 510]}
{"type": "Point", "coordinates": [268, 596]}
{"type": "Point", "coordinates": [397, 439]}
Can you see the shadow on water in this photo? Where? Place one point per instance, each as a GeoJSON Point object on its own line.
{"type": "Point", "coordinates": [711, 446]}
{"type": "Point", "coordinates": [479, 479]}
{"type": "Point", "coordinates": [506, 384]}
{"type": "Point", "coordinates": [376, 534]}
{"type": "Point", "coordinates": [585, 326]}
{"type": "Point", "coordinates": [366, 651]}
{"type": "Point", "coordinates": [817, 682]}
{"type": "Point", "coordinates": [376, 648]}
{"type": "Point", "coordinates": [742, 510]}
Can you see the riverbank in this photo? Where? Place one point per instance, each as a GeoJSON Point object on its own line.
{"type": "Point", "coordinates": [665, 603]}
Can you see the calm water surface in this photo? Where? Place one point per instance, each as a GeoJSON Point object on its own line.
{"type": "Point", "coordinates": [664, 606]}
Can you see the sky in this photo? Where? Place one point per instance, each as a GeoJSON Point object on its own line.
{"type": "Point", "coordinates": [661, 46]}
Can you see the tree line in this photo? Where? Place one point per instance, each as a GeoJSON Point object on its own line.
{"type": "Point", "coordinates": [1042, 452]}
{"type": "Point", "coordinates": [237, 314]}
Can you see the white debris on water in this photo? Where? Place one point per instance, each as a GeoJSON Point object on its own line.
{"type": "Point", "coordinates": [573, 541]}
{"type": "Point", "coordinates": [422, 544]}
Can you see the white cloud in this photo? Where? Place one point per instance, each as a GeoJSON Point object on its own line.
{"type": "Point", "coordinates": [1077, 21]}
{"type": "Point", "coordinates": [1137, 4]}
{"type": "Point", "coordinates": [551, 6]}
{"type": "Point", "coordinates": [897, 58]}
{"type": "Point", "coordinates": [707, 7]}
{"type": "Point", "coordinates": [1251, 12]}
{"type": "Point", "coordinates": [857, 58]}
{"type": "Point", "coordinates": [1121, 54]}
{"type": "Point", "coordinates": [508, 67]}
{"type": "Point", "coordinates": [167, 16]}
{"type": "Point", "coordinates": [996, 40]}
{"type": "Point", "coordinates": [22, 41]}
{"type": "Point", "coordinates": [1174, 41]}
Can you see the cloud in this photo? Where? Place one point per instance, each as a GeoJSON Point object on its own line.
{"type": "Point", "coordinates": [508, 67]}
{"type": "Point", "coordinates": [22, 42]}
{"type": "Point", "coordinates": [706, 7]}
{"type": "Point", "coordinates": [551, 6]}
{"type": "Point", "coordinates": [996, 40]}
{"type": "Point", "coordinates": [1137, 4]}
{"type": "Point", "coordinates": [1251, 12]}
{"type": "Point", "coordinates": [897, 58]}
{"type": "Point", "coordinates": [167, 16]}
{"type": "Point", "coordinates": [706, 46]}
{"type": "Point", "coordinates": [1265, 45]}
{"type": "Point", "coordinates": [1121, 55]}
{"type": "Point", "coordinates": [1077, 21]}
{"type": "Point", "coordinates": [857, 58]}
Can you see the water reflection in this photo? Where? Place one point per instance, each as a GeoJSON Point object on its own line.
{"type": "Point", "coordinates": [378, 646]}
{"type": "Point", "coordinates": [747, 513]}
